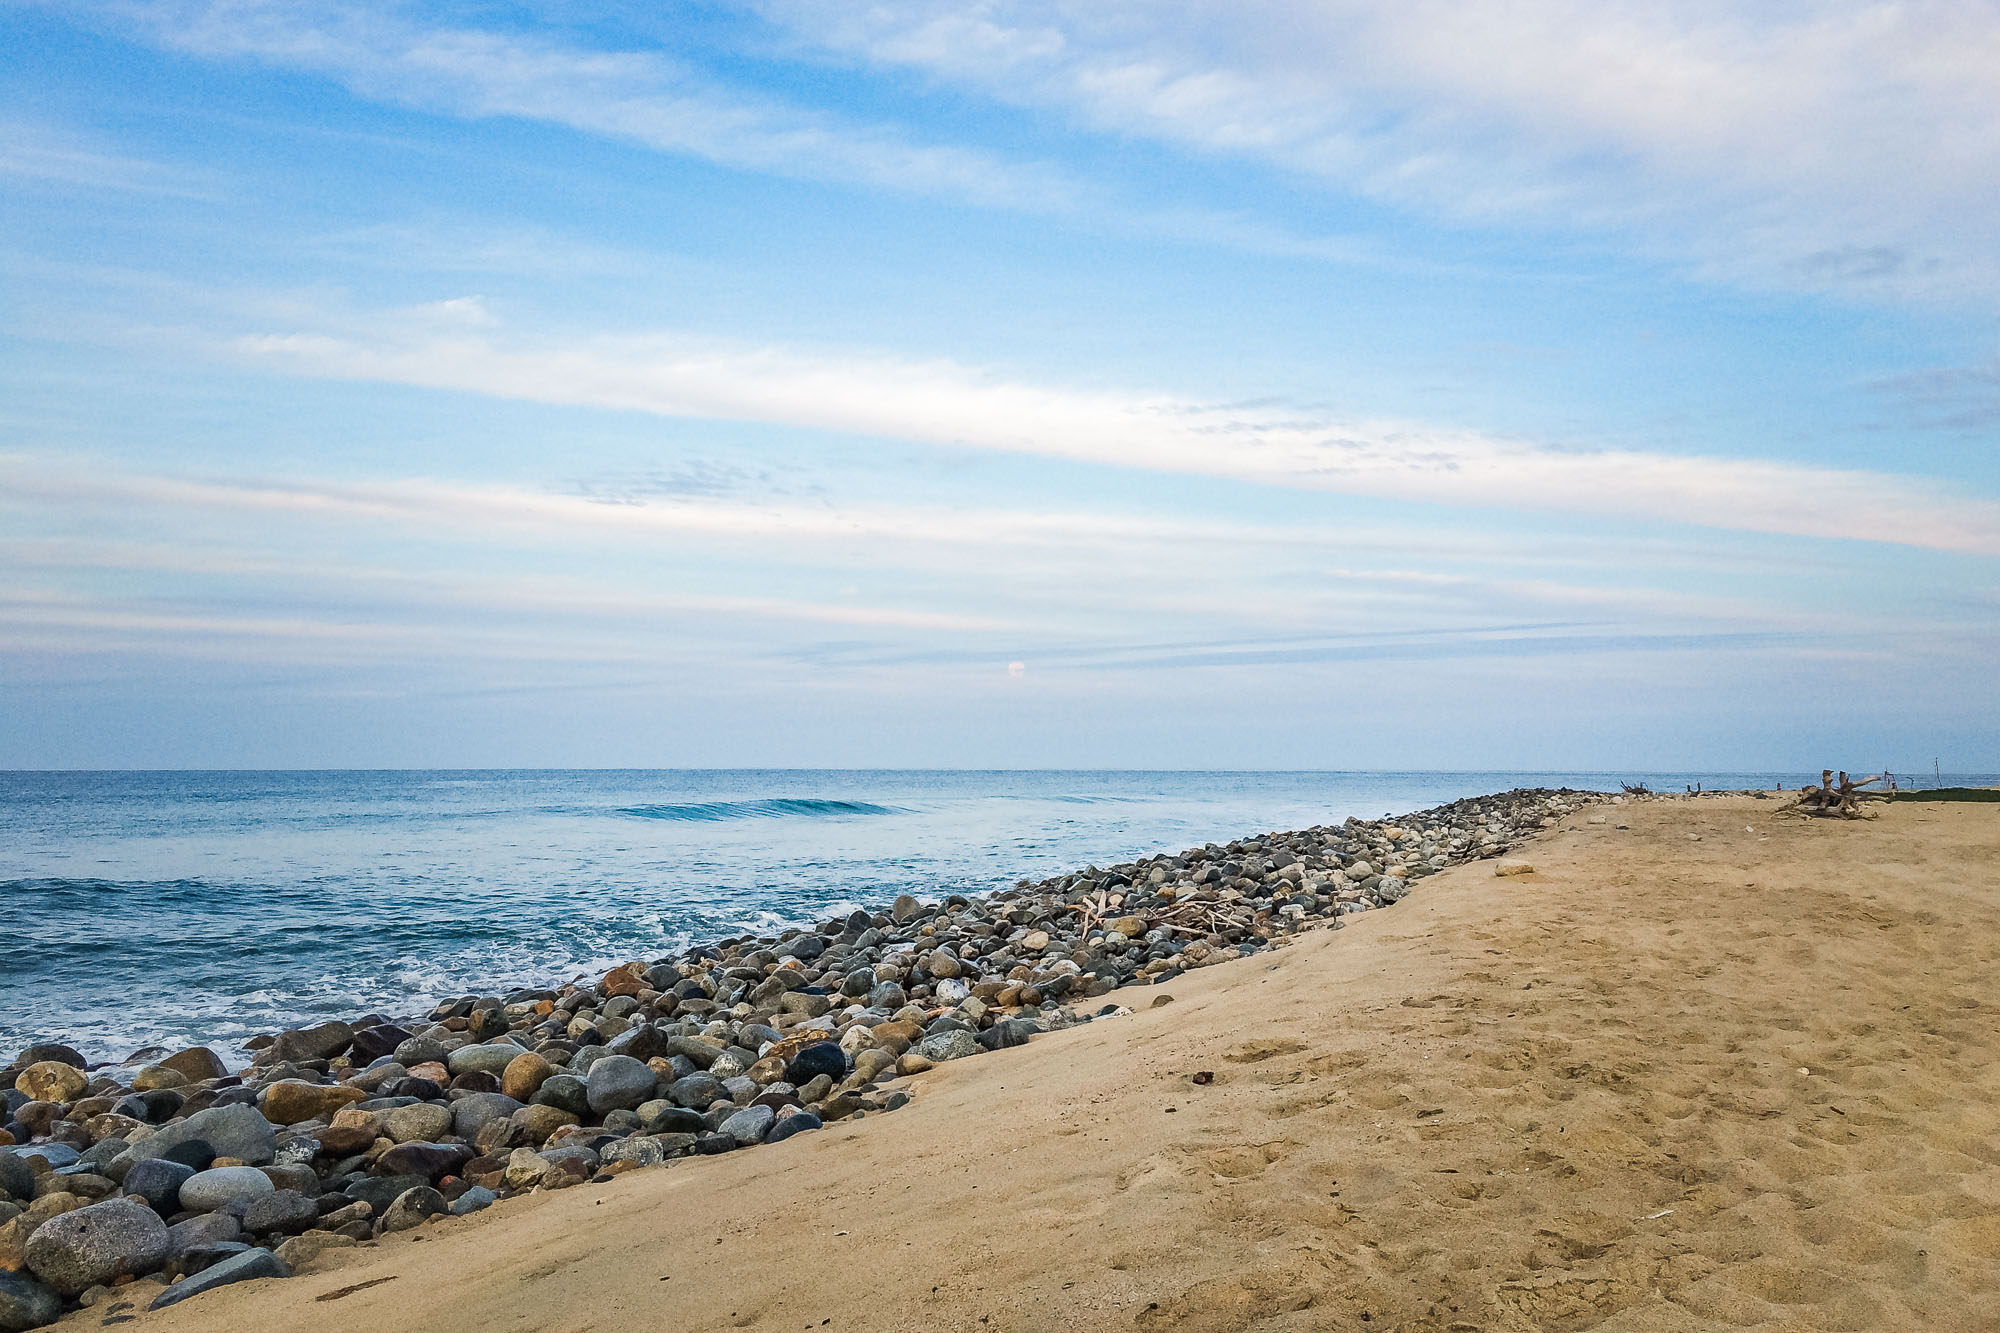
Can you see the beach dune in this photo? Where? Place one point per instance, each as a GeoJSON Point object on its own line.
{"type": "Point", "coordinates": [1716, 1070]}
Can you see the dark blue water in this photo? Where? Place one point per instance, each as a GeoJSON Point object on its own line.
{"type": "Point", "coordinates": [144, 907]}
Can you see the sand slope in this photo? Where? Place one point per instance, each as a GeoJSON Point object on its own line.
{"type": "Point", "coordinates": [1660, 1084]}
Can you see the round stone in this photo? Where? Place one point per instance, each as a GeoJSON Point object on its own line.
{"type": "Point", "coordinates": [620, 1083]}
{"type": "Point", "coordinates": [488, 1059]}
{"type": "Point", "coordinates": [420, 1122]}
{"type": "Point", "coordinates": [97, 1245]}
{"type": "Point", "coordinates": [220, 1186]}
{"type": "Point", "coordinates": [52, 1081]}
{"type": "Point", "coordinates": [26, 1303]}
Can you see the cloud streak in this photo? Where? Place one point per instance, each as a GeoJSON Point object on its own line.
{"type": "Point", "coordinates": [946, 405]}
{"type": "Point", "coordinates": [1847, 146]}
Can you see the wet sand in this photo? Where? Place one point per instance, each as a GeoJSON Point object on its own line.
{"type": "Point", "coordinates": [1745, 1082]}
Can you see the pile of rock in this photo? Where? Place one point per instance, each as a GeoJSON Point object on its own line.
{"type": "Point", "coordinates": [172, 1165]}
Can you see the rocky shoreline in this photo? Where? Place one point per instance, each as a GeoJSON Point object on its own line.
{"type": "Point", "coordinates": [167, 1175]}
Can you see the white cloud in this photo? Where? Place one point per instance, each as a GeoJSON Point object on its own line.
{"type": "Point", "coordinates": [644, 97]}
{"type": "Point", "coordinates": [1847, 144]}
{"type": "Point", "coordinates": [947, 405]}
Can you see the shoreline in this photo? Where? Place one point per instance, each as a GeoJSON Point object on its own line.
{"type": "Point", "coordinates": [343, 1132]}
{"type": "Point", "coordinates": [1714, 1071]}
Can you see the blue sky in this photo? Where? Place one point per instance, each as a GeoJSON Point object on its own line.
{"type": "Point", "coordinates": [1248, 385]}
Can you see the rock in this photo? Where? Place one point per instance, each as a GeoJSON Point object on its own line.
{"type": "Point", "coordinates": [566, 1092]}
{"type": "Point", "coordinates": [639, 1150]}
{"type": "Point", "coordinates": [372, 1043]}
{"type": "Point", "coordinates": [220, 1186]}
{"type": "Point", "coordinates": [491, 1058]}
{"type": "Point", "coordinates": [663, 1117]}
{"type": "Point", "coordinates": [378, 1192]}
{"type": "Point", "coordinates": [470, 1112]}
{"type": "Point", "coordinates": [796, 1123]}
{"type": "Point", "coordinates": [238, 1131]}
{"type": "Point", "coordinates": [537, 1123]}
{"type": "Point", "coordinates": [524, 1170]}
{"type": "Point", "coordinates": [158, 1183]}
{"type": "Point", "coordinates": [1131, 927]}
{"type": "Point", "coordinates": [1035, 941]}
{"type": "Point", "coordinates": [942, 963]}
{"type": "Point", "coordinates": [420, 1050]}
{"type": "Point", "coordinates": [1511, 868]}
{"type": "Point", "coordinates": [237, 1268]}
{"type": "Point", "coordinates": [100, 1243]}
{"type": "Point", "coordinates": [420, 1122]}
{"type": "Point", "coordinates": [322, 1042]}
{"type": "Point", "coordinates": [207, 1229]}
{"type": "Point", "coordinates": [281, 1211]}
{"type": "Point", "coordinates": [948, 1045]}
{"type": "Point", "coordinates": [473, 1200]}
{"type": "Point", "coordinates": [619, 1083]}
{"type": "Point", "coordinates": [300, 1251]}
{"type": "Point", "coordinates": [429, 1160]}
{"type": "Point", "coordinates": [411, 1208]}
{"type": "Point", "coordinates": [904, 908]}
{"type": "Point", "coordinates": [52, 1081]}
{"type": "Point", "coordinates": [822, 1057]}
{"type": "Point", "coordinates": [627, 980]}
{"type": "Point", "coordinates": [196, 1064]}
{"type": "Point", "coordinates": [289, 1102]}
{"type": "Point", "coordinates": [748, 1125]}
{"type": "Point", "coordinates": [696, 1091]}
{"type": "Point", "coordinates": [26, 1303]}
{"type": "Point", "coordinates": [17, 1178]}
{"type": "Point", "coordinates": [524, 1075]}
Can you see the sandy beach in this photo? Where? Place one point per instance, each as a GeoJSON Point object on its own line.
{"type": "Point", "coordinates": [1717, 1070]}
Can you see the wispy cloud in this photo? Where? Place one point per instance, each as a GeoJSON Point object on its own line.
{"type": "Point", "coordinates": [947, 405]}
{"type": "Point", "coordinates": [646, 97]}
{"type": "Point", "coordinates": [47, 154]}
{"type": "Point", "coordinates": [1850, 145]}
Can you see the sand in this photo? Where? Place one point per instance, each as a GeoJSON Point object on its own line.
{"type": "Point", "coordinates": [1745, 1082]}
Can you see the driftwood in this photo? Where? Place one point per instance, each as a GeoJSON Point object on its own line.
{"type": "Point", "coordinates": [1840, 798]}
{"type": "Point", "coordinates": [1637, 789]}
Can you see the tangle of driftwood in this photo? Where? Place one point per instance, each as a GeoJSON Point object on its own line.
{"type": "Point", "coordinates": [1837, 799]}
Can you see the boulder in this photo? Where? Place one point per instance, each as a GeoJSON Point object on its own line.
{"type": "Point", "coordinates": [411, 1208]}
{"type": "Point", "coordinates": [470, 1112]}
{"type": "Point", "coordinates": [52, 1081]}
{"type": "Point", "coordinates": [822, 1057]}
{"type": "Point", "coordinates": [283, 1212]}
{"type": "Point", "coordinates": [238, 1131]}
{"type": "Point", "coordinates": [619, 1083]}
{"type": "Point", "coordinates": [195, 1064]}
{"type": "Point", "coordinates": [220, 1186]}
{"type": "Point", "coordinates": [749, 1125]}
{"type": "Point", "coordinates": [420, 1122]}
{"type": "Point", "coordinates": [96, 1245]}
{"type": "Point", "coordinates": [321, 1042]}
{"type": "Point", "coordinates": [237, 1268]}
{"type": "Point", "coordinates": [157, 1182]}
{"type": "Point", "coordinates": [524, 1075]}
{"type": "Point", "coordinates": [26, 1303]}
{"type": "Point", "coordinates": [289, 1102]}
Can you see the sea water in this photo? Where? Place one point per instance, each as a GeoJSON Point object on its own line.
{"type": "Point", "coordinates": [157, 907]}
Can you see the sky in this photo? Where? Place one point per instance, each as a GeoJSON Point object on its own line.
{"type": "Point", "coordinates": [1013, 383]}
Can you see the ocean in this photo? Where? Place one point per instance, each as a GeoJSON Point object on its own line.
{"type": "Point", "coordinates": [162, 907]}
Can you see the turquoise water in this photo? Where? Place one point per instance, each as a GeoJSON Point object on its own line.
{"type": "Point", "coordinates": [154, 907]}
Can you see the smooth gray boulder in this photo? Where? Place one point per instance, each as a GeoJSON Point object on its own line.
{"type": "Point", "coordinates": [219, 1186]}
{"type": "Point", "coordinates": [239, 1131]}
{"type": "Point", "coordinates": [26, 1303]}
{"type": "Point", "coordinates": [237, 1268]}
{"type": "Point", "coordinates": [620, 1083]}
{"type": "Point", "coordinates": [73, 1252]}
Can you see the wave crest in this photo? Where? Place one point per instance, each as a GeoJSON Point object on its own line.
{"type": "Point", "coordinates": [777, 807]}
